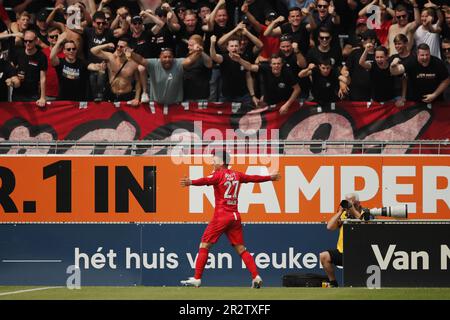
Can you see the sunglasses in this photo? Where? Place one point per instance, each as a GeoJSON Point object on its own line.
{"type": "Point", "coordinates": [28, 41]}
{"type": "Point", "coordinates": [446, 49]}
{"type": "Point", "coordinates": [403, 16]}
{"type": "Point", "coordinates": [53, 37]}
{"type": "Point", "coordinates": [324, 38]}
{"type": "Point", "coordinates": [101, 23]}
{"type": "Point", "coordinates": [322, 6]}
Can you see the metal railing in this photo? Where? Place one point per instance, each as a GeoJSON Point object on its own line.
{"type": "Point", "coordinates": [243, 147]}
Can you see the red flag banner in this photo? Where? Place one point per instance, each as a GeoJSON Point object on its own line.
{"type": "Point", "coordinates": [344, 121]}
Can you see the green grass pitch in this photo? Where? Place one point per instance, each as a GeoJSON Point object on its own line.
{"type": "Point", "coordinates": [219, 293]}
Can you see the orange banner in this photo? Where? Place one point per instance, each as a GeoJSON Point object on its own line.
{"type": "Point", "coordinates": [147, 189]}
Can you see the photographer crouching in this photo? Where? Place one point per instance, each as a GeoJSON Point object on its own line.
{"type": "Point", "coordinates": [350, 208]}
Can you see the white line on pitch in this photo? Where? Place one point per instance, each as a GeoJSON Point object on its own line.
{"type": "Point", "coordinates": [31, 261]}
{"type": "Point", "coordinates": [27, 290]}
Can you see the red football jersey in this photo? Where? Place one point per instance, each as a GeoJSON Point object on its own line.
{"type": "Point", "coordinates": [226, 184]}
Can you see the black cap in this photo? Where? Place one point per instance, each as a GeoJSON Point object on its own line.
{"type": "Point", "coordinates": [271, 15]}
{"type": "Point", "coordinates": [42, 15]}
{"type": "Point", "coordinates": [180, 5]}
{"type": "Point", "coordinates": [286, 37]}
{"type": "Point", "coordinates": [160, 12]}
{"type": "Point", "coordinates": [137, 19]}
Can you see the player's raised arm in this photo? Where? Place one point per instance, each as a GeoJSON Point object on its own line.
{"type": "Point", "coordinates": [206, 181]}
{"type": "Point", "coordinates": [256, 178]}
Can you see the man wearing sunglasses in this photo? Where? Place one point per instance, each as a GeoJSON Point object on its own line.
{"type": "Point", "coordinates": [96, 35]}
{"type": "Point", "coordinates": [71, 70]}
{"type": "Point", "coordinates": [122, 72]}
{"type": "Point", "coordinates": [403, 25]}
{"type": "Point", "coordinates": [52, 79]}
{"type": "Point", "coordinates": [324, 50]}
{"type": "Point", "coordinates": [32, 65]}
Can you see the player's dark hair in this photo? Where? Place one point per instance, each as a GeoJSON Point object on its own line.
{"type": "Point", "coordinates": [222, 154]}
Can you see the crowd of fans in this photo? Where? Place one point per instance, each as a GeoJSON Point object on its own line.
{"type": "Point", "coordinates": [257, 52]}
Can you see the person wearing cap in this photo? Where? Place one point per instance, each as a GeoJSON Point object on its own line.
{"type": "Point", "coordinates": [180, 10]}
{"type": "Point", "coordinates": [140, 37]}
{"type": "Point", "coordinates": [403, 26]}
{"type": "Point", "coordinates": [361, 86]}
{"type": "Point", "coordinates": [42, 28]}
{"type": "Point", "coordinates": [270, 44]}
{"type": "Point", "coordinates": [354, 40]}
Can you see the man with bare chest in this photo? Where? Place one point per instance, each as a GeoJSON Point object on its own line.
{"type": "Point", "coordinates": [123, 73]}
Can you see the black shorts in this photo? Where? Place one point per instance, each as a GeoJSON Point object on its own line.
{"type": "Point", "coordinates": [336, 257]}
{"type": "Point", "coordinates": [121, 97]}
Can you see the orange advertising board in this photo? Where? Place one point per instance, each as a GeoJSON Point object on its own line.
{"type": "Point", "coordinates": [147, 189]}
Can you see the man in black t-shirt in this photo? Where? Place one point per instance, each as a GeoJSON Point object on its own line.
{"type": "Point", "coordinates": [234, 87]}
{"type": "Point", "coordinates": [93, 36]}
{"type": "Point", "coordinates": [218, 24]}
{"type": "Point", "coordinates": [324, 50]}
{"type": "Point", "coordinates": [32, 66]}
{"type": "Point", "coordinates": [280, 85]}
{"type": "Point", "coordinates": [382, 82]}
{"type": "Point", "coordinates": [196, 76]}
{"type": "Point", "coordinates": [360, 86]}
{"type": "Point", "coordinates": [295, 28]}
{"type": "Point", "coordinates": [325, 81]}
{"type": "Point", "coordinates": [71, 71]}
{"type": "Point", "coordinates": [405, 56]}
{"type": "Point", "coordinates": [428, 75]}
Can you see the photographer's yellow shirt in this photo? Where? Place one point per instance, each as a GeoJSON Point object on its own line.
{"type": "Point", "coordinates": [340, 243]}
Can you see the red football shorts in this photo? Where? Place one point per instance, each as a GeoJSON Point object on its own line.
{"type": "Point", "coordinates": [228, 225]}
